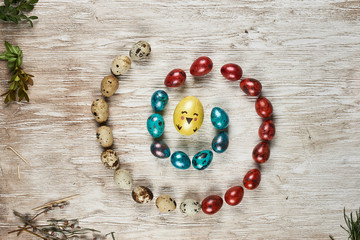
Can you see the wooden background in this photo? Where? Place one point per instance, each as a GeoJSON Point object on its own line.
{"type": "Point", "coordinates": [306, 55]}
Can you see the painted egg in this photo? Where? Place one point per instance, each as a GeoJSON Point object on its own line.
{"type": "Point", "coordinates": [267, 130]}
{"type": "Point", "coordinates": [263, 107]}
{"type": "Point", "coordinates": [175, 78]}
{"type": "Point", "coordinates": [251, 86]}
{"type": "Point", "coordinates": [155, 125]}
{"type": "Point", "coordinates": [159, 100]}
{"type": "Point", "coordinates": [180, 160]}
{"type": "Point", "coordinates": [219, 118]}
{"type": "Point", "coordinates": [231, 71]}
{"type": "Point", "coordinates": [188, 115]}
{"type": "Point", "coordinates": [212, 204]}
{"type": "Point", "coordinates": [190, 207]}
{"type": "Point", "coordinates": [142, 194]}
{"type": "Point", "coordinates": [160, 149]}
{"type": "Point", "coordinates": [201, 66]}
{"type": "Point", "coordinates": [202, 159]}
{"type": "Point", "coordinates": [252, 179]}
{"type": "Point", "coordinates": [220, 142]}
{"type": "Point", "coordinates": [234, 195]}
{"type": "Point", "coordinates": [261, 152]}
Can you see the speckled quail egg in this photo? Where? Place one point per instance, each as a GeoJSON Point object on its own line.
{"type": "Point", "coordinates": [123, 179]}
{"type": "Point", "coordinates": [120, 65]}
{"type": "Point", "coordinates": [190, 207]}
{"type": "Point", "coordinates": [109, 85]}
{"type": "Point", "coordinates": [100, 110]}
{"type": "Point", "coordinates": [140, 50]}
{"type": "Point", "coordinates": [110, 159]}
{"type": "Point", "coordinates": [165, 203]}
{"type": "Point", "coordinates": [142, 194]}
{"type": "Point", "coordinates": [104, 136]}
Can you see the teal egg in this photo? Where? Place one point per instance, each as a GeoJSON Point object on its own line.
{"type": "Point", "coordinates": [155, 125]}
{"type": "Point", "coordinates": [219, 118]}
{"type": "Point", "coordinates": [220, 142]}
{"type": "Point", "coordinates": [159, 100]}
{"type": "Point", "coordinates": [180, 160]}
{"type": "Point", "coordinates": [202, 159]}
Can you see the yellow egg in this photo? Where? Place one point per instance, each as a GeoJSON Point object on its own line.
{"type": "Point", "coordinates": [188, 115]}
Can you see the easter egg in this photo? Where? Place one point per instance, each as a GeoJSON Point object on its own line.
{"type": "Point", "coordinates": [175, 78]}
{"type": "Point", "coordinates": [160, 149]}
{"type": "Point", "coordinates": [251, 86]}
{"type": "Point", "coordinates": [212, 204]}
{"type": "Point", "coordinates": [252, 179]}
{"type": "Point", "coordinates": [261, 152]}
{"type": "Point", "coordinates": [220, 142]}
{"type": "Point", "coordinates": [180, 160]}
{"type": "Point", "coordinates": [188, 115]}
{"type": "Point", "coordinates": [159, 100]}
{"type": "Point", "coordinates": [202, 159]}
{"type": "Point", "coordinates": [155, 125]}
{"type": "Point", "coordinates": [263, 107]}
{"type": "Point", "coordinates": [231, 71]}
{"type": "Point", "coordinates": [201, 66]}
{"type": "Point", "coordinates": [234, 195]}
{"type": "Point", "coordinates": [219, 118]}
{"type": "Point", "coordinates": [267, 130]}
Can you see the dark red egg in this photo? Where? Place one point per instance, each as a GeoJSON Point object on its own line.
{"type": "Point", "coordinates": [234, 195]}
{"type": "Point", "coordinates": [175, 78]}
{"type": "Point", "coordinates": [201, 66]}
{"type": "Point", "coordinates": [261, 152]}
{"type": "Point", "coordinates": [231, 71]}
{"type": "Point", "coordinates": [252, 179]}
{"type": "Point", "coordinates": [263, 107]}
{"type": "Point", "coordinates": [267, 130]}
{"type": "Point", "coordinates": [211, 204]}
{"type": "Point", "coordinates": [251, 86]}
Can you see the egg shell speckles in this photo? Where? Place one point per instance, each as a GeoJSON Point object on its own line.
{"type": "Point", "coordinates": [120, 65]}
{"type": "Point", "coordinates": [159, 100]}
{"type": "Point", "coordinates": [219, 118]}
{"type": "Point", "coordinates": [100, 110]}
{"type": "Point", "coordinates": [142, 194]}
{"type": "Point", "coordinates": [140, 50]}
{"type": "Point", "coordinates": [220, 142]}
{"type": "Point", "coordinates": [180, 160]}
{"type": "Point", "coordinates": [155, 125]}
{"type": "Point", "coordinates": [190, 207]}
{"type": "Point", "coordinates": [110, 159]}
{"type": "Point", "coordinates": [109, 85]}
{"type": "Point", "coordinates": [104, 136]}
{"type": "Point", "coordinates": [123, 179]}
{"type": "Point", "coordinates": [165, 203]}
{"type": "Point", "coordinates": [160, 149]}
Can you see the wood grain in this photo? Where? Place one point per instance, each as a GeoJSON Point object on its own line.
{"type": "Point", "coordinates": [306, 55]}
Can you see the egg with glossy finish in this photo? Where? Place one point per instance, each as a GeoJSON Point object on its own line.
{"type": "Point", "coordinates": [180, 160]}
{"type": "Point", "coordinates": [267, 130]}
{"type": "Point", "coordinates": [220, 142]}
{"type": "Point", "coordinates": [252, 179]}
{"type": "Point", "coordinates": [234, 195]}
{"type": "Point", "coordinates": [231, 71]}
{"type": "Point", "coordinates": [261, 152]}
{"type": "Point", "coordinates": [201, 66]}
{"type": "Point", "coordinates": [251, 86]}
{"type": "Point", "coordinates": [160, 149]}
{"type": "Point", "coordinates": [155, 125]}
{"type": "Point", "coordinates": [263, 107]}
{"type": "Point", "coordinates": [212, 204]}
{"type": "Point", "coordinates": [159, 99]}
{"type": "Point", "coordinates": [188, 115]}
{"type": "Point", "coordinates": [202, 159]}
{"type": "Point", "coordinates": [219, 118]}
{"type": "Point", "coordinates": [175, 78]}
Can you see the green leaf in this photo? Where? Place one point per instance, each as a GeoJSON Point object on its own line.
{"type": "Point", "coordinates": [12, 59]}
{"type": "Point", "coordinates": [33, 1]}
{"type": "Point", "coordinates": [33, 17]}
{"type": "Point", "coordinates": [18, 62]}
{"type": "Point", "coordinates": [13, 95]}
{"type": "Point", "coordinates": [11, 65]}
{"type": "Point", "coordinates": [7, 46]}
{"type": "Point", "coordinates": [7, 3]}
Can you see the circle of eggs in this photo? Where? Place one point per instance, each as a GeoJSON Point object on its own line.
{"type": "Point", "coordinates": [188, 115]}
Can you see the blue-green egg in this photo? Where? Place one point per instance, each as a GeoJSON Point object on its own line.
{"type": "Point", "coordinates": [180, 160]}
{"type": "Point", "coordinates": [160, 149]}
{"type": "Point", "coordinates": [220, 142]}
{"type": "Point", "coordinates": [155, 125]}
{"type": "Point", "coordinates": [219, 118]}
{"type": "Point", "coordinates": [202, 159]}
{"type": "Point", "coordinates": [159, 100]}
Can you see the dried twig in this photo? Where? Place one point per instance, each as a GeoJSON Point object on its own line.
{"type": "Point", "coordinates": [55, 202]}
{"type": "Point", "coordinates": [18, 154]}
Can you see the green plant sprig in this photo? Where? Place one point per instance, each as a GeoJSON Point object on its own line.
{"type": "Point", "coordinates": [20, 79]}
{"type": "Point", "coordinates": [14, 11]}
{"type": "Point", "coordinates": [352, 225]}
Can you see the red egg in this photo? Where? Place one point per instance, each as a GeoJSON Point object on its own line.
{"type": "Point", "coordinates": [212, 204]}
{"type": "Point", "coordinates": [231, 71]}
{"type": "Point", "coordinates": [175, 78]}
{"type": "Point", "coordinates": [261, 152]}
{"type": "Point", "coordinates": [201, 66]}
{"type": "Point", "coordinates": [252, 179]}
{"type": "Point", "coordinates": [234, 195]}
{"type": "Point", "coordinates": [251, 86]}
{"type": "Point", "coordinates": [267, 130]}
{"type": "Point", "coordinates": [263, 107]}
